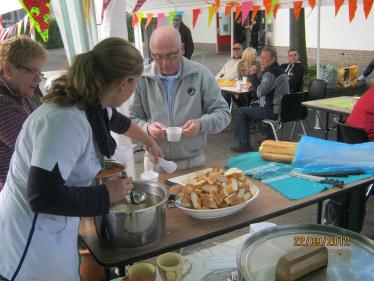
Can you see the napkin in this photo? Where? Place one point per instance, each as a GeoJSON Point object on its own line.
{"type": "Point", "coordinates": [168, 166]}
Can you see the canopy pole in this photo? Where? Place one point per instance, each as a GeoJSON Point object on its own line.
{"type": "Point", "coordinates": [318, 37]}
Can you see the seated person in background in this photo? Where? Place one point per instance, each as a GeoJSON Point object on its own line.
{"type": "Point", "coordinates": [362, 115]}
{"type": "Point", "coordinates": [248, 59]}
{"type": "Point", "coordinates": [174, 91]}
{"type": "Point", "coordinates": [230, 69]}
{"type": "Point", "coordinates": [367, 71]}
{"type": "Point", "coordinates": [21, 60]}
{"type": "Point", "coordinates": [270, 90]}
{"type": "Point", "coordinates": [295, 71]}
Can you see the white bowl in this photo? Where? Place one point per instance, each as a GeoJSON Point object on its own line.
{"type": "Point", "coordinates": [221, 212]}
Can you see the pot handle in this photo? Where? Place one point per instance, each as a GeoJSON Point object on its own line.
{"type": "Point", "coordinates": [173, 201]}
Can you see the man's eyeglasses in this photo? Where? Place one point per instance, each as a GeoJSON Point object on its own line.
{"type": "Point", "coordinates": [169, 57]}
{"type": "Point", "coordinates": [30, 71]}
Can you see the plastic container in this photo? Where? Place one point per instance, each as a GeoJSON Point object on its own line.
{"type": "Point", "coordinates": [173, 134]}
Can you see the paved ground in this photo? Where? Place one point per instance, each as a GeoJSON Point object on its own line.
{"type": "Point", "coordinates": [218, 146]}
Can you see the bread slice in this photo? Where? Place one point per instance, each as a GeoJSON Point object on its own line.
{"type": "Point", "coordinates": [196, 202]}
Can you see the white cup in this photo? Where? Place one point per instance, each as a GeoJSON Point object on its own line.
{"type": "Point", "coordinates": [239, 85]}
{"type": "Point", "coordinates": [245, 79]}
{"type": "Point", "coordinates": [173, 134]}
{"type": "Point", "coordinates": [149, 176]}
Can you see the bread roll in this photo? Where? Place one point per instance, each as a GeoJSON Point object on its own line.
{"type": "Point", "coordinates": [175, 189]}
{"type": "Point", "coordinates": [277, 157]}
{"type": "Point", "coordinates": [278, 147]}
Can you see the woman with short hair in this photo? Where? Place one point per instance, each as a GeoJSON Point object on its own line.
{"type": "Point", "coordinates": [60, 150]}
{"type": "Point", "coordinates": [21, 62]}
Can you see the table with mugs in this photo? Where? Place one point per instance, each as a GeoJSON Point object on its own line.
{"type": "Point", "coordinates": [181, 230]}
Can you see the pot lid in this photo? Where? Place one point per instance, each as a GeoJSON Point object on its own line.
{"type": "Point", "coordinates": [350, 254]}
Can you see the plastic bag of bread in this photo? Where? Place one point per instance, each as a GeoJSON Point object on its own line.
{"type": "Point", "coordinates": [218, 188]}
{"type": "Point", "coordinates": [278, 151]}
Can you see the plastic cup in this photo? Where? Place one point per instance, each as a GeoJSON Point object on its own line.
{"type": "Point", "coordinates": [239, 85]}
{"type": "Point", "coordinates": [245, 79]}
{"type": "Point", "coordinates": [173, 134]}
{"type": "Point", "coordinates": [149, 176]}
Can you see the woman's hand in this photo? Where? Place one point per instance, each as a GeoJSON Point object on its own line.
{"type": "Point", "coordinates": [118, 188]}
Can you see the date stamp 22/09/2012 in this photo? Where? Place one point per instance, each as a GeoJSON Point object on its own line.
{"type": "Point", "coordinates": [320, 240]}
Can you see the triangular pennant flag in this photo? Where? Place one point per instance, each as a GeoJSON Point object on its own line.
{"type": "Point", "coordinates": [134, 20]}
{"type": "Point", "coordinates": [255, 10]}
{"type": "Point", "coordinates": [180, 13]}
{"type": "Point", "coordinates": [172, 15]}
{"type": "Point", "coordinates": [160, 18]}
{"type": "Point", "coordinates": [228, 8]}
{"type": "Point", "coordinates": [149, 19]}
{"type": "Point", "coordinates": [218, 3]}
{"type": "Point", "coordinates": [238, 10]}
{"type": "Point", "coordinates": [138, 5]}
{"type": "Point", "coordinates": [297, 5]}
{"type": "Point", "coordinates": [246, 8]}
{"type": "Point", "coordinates": [267, 5]}
{"type": "Point", "coordinates": [104, 7]}
{"type": "Point", "coordinates": [368, 4]}
{"type": "Point", "coordinates": [38, 11]}
{"type": "Point", "coordinates": [352, 9]}
{"type": "Point", "coordinates": [312, 3]}
{"type": "Point", "coordinates": [195, 15]}
{"type": "Point", "coordinates": [212, 12]}
{"type": "Point", "coordinates": [275, 11]}
{"type": "Point", "coordinates": [338, 4]}
{"type": "Point", "coordinates": [86, 11]}
{"type": "Point", "coordinates": [140, 16]}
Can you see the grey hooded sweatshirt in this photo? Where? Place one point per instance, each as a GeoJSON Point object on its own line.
{"type": "Point", "coordinates": [196, 96]}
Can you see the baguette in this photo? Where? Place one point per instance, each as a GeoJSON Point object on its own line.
{"type": "Point", "coordinates": [277, 157]}
{"type": "Point", "coordinates": [278, 147]}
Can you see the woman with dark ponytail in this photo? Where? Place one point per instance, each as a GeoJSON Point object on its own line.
{"type": "Point", "coordinates": [59, 151]}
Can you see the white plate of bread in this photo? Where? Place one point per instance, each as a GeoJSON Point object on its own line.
{"type": "Point", "coordinates": [215, 193]}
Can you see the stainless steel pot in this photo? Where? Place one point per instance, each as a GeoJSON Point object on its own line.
{"type": "Point", "coordinates": [139, 225]}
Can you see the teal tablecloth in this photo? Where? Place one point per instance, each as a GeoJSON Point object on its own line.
{"type": "Point", "coordinates": [276, 176]}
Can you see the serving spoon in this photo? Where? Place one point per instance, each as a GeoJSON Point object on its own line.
{"type": "Point", "coordinates": [134, 197]}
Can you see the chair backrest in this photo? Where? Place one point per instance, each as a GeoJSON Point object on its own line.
{"type": "Point", "coordinates": [351, 134]}
{"type": "Point", "coordinates": [317, 89]}
{"type": "Point", "coordinates": [291, 107]}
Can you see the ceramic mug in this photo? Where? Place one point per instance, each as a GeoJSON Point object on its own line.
{"type": "Point", "coordinates": [141, 271]}
{"type": "Point", "coordinates": [173, 266]}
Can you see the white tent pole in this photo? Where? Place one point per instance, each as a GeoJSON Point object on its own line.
{"type": "Point", "coordinates": [317, 125]}
{"type": "Point", "coordinates": [138, 38]}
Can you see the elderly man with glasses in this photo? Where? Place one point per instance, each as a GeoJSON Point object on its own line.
{"type": "Point", "coordinates": [176, 92]}
{"type": "Point", "coordinates": [229, 71]}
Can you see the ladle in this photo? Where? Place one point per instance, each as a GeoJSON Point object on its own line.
{"type": "Point", "coordinates": [135, 197]}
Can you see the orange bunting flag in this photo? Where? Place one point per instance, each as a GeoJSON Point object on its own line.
{"type": "Point", "coordinates": [238, 10]}
{"type": "Point", "coordinates": [149, 19]}
{"type": "Point", "coordinates": [297, 9]}
{"type": "Point", "coordinates": [195, 15]}
{"type": "Point", "coordinates": [275, 11]}
{"type": "Point", "coordinates": [228, 8]}
{"type": "Point", "coordinates": [352, 9]}
{"type": "Point", "coordinates": [338, 4]}
{"type": "Point", "coordinates": [368, 4]}
{"type": "Point", "coordinates": [160, 18]}
{"type": "Point", "coordinates": [211, 13]}
{"type": "Point", "coordinates": [134, 20]}
{"type": "Point", "coordinates": [267, 5]}
{"type": "Point", "coordinates": [312, 3]}
{"type": "Point", "coordinates": [255, 10]}
{"type": "Point", "coordinates": [218, 3]}
{"type": "Point", "coordinates": [246, 8]}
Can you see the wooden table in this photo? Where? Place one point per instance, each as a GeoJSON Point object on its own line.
{"type": "Point", "coordinates": [182, 230]}
{"type": "Point", "coordinates": [323, 105]}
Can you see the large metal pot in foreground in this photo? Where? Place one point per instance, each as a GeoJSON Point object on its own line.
{"type": "Point", "coordinates": [128, 226]}
{"type": "Point", "coordinates": [350, 254]}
